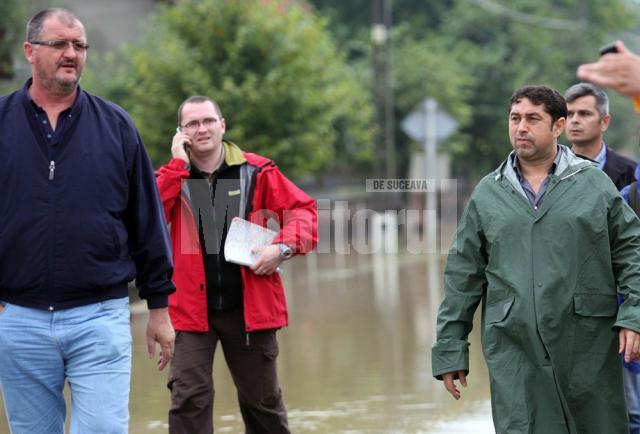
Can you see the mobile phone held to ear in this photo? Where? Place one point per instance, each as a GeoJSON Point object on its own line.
{"type": "Point", "coordinates": [609, 48]}
{"type": "Point", "coordinates": [185, 145]}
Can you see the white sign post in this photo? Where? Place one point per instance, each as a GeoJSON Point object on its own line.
{"type": "Point", "coordinates": [430, 124]}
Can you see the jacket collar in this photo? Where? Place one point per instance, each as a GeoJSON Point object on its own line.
{"type": "Point", "coordinates": [568, 164]}
{"type": "Point", "coordinates": [233, 156]}
{"type": "Point", "coordinates": [29, 102]}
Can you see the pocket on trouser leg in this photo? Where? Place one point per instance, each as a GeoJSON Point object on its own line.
{"type": "Point", "coordinates": [271, 392]}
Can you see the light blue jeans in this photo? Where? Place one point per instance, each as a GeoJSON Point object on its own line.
{"type": "Point", "coordinates": [632, 395]}
{"type": "Point", "coordinates": [89, 346]}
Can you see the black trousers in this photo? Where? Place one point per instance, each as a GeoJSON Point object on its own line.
{"type": "Point", "coordinates": [252, 361]}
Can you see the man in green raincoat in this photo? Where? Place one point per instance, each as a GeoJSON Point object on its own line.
{"type": "Point", "coordinates": [544, 242]}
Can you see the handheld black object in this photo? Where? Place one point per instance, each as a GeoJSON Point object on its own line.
{"type": "Point", "coordinates": [185, 145]}
{"type": "Point", "coordinates": [609, 48]}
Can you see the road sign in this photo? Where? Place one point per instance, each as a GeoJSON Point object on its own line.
{"type": "Point", "coordinates": [415, 124]}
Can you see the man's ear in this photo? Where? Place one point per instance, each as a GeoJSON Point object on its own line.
{"type": "Point", "coordinates": [558, 127]}
{"type": "Point", "coordinates": [28, 52]}
{"type": "Point", "coordinates": [604, 123]}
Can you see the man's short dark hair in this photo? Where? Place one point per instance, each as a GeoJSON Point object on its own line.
{"type": "Point", "coordinates": [585, 89]}
{"type": "Point", "coordinates": [550, 99]}
{"type": "Point", "coordinates": [198, 99]}
{"type": "Point", "coordinates": [34, 26]}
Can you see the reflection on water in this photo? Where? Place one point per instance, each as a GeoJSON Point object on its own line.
{"type": "Point", "coordinates": [354, 359]}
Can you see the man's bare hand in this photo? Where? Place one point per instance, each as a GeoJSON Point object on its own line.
{"type": "Point", "coordinates": [450, 385]}
{"type": "Point", "coordinates": [160, 331]}
{"type": "Point", "coordinates": [618, 71]}
{"type": "Point", "coordinates": [629, 345]}
{"type": "Point", "coordinates": [180, 142]}
{"type": "Point", "coordinates": [268, 259]}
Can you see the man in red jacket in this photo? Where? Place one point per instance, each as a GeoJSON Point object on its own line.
{"type": "Point", "coordinates": [208, 182]}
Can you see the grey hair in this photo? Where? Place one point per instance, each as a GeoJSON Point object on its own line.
{"type": "Point", "coordinates": [35, 24]}
{"type": "Point", "coordinates": [585, 89]}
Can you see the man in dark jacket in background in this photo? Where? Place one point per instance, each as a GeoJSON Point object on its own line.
{"type": "Point", "coordinates": [587, 120]}
{"type": "Point", "coordinates": [207, 183]}
{"type": "Point", "coordinates": [81, 218]}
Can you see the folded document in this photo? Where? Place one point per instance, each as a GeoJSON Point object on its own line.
{"type": "Point", "coordinates": [244, 236]}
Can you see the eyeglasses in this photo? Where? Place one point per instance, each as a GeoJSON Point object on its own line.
{"type": "Point", "coordinates": [194, 125]}
{"type": "Point", "coordinates": [61, 44]}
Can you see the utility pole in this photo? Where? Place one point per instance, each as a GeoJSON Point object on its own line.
{"type": "Point", "coordinates": [383, 88]}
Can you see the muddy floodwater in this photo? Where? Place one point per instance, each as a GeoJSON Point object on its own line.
{"type": "Point", "coordinates": [354, 359]}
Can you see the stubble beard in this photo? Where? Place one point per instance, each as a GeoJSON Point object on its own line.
{"type": "Point", "coordinates": [526, 152]}
{"type": "Point", "coordinates": [58, 86]}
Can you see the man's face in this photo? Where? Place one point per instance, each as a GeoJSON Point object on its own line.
{"type": "Point", "coordinates": [205, 127]}
{"type": "Point", "coordinates": [584, 124]}
{"type": "Point", "coordinates": [532, 134]}
{"type": "Point", "coordinates": [58, 69]}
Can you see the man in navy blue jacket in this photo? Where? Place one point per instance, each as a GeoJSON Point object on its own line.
{"type": "Point", "coordinates": [80, 217]}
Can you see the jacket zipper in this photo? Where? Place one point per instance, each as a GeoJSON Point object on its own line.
{"type": "Point", "coordinates": [217, 241]}
{"type": "Point", "coordinates": [52, 170]}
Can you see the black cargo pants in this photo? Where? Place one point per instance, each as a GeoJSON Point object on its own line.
{"type": "Point", "coordinates": [252, 362]}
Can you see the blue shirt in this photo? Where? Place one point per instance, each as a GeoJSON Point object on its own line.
{"type": "Point", "coordinates": [601, 158]}
{"type": "Point", "coordinates": [535, 199]}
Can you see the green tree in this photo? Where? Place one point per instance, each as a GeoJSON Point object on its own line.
{"type": "Point", "coordinates": [281, 82]}
{"type": "Point", "coordinates": [525, 43]}
{"type": "Point", "coordinates": [421, 62]}
{"type": "Point", "coordinates": [475, 53]}
{"type": "Point", "coordinates": [350, 18]}
{"type": "Point", "coordinates": [427, 68]}
{"type": "Point", "coordinates": [11, 15]}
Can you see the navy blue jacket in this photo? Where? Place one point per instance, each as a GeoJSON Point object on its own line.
{"type": "Point", "coordinates": [620, 169]}
{"type": "Point", "coordinates": [80, 217]}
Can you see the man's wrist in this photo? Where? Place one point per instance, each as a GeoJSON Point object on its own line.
{"type": "Point", "coordinates": [286, 252]}
{"type": "Point", "coordinates": [161, 312]}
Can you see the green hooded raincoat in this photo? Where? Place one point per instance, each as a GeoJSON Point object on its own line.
{"type": "Point", "coordinates": [550, 316]}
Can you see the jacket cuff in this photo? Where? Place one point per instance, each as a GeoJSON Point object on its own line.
{"type": "Point", "coordinates": [179, 164]}
{"type": "Point", "coordinates": [629, 314]}
{"type": "Point", "coordinates": [449, 356]}
{"type": "Point", "coordinates": [157, 301]}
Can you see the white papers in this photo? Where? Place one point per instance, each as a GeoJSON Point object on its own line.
{"type": "Point", "coordinates": [244, 236]}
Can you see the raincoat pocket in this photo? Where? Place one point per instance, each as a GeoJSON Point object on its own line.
{"type": "Point", "coordinates": [494, 340]}
{"type": "Point", "coordinates": [596, 305]}
{"type": "Point", "coordinates": [497, 312]}
{"type": "Point", "coordinates": [595, 316]}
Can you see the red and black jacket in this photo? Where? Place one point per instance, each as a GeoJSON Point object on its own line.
{"type": "Point", "coordinates": [264, 193]}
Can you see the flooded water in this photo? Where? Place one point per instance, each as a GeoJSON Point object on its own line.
{"type": "Point", "coordinates": [354, 359]}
